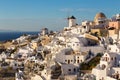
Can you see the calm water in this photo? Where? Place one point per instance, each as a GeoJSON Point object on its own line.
{"type": "Point", "coordinates": [13, 35]}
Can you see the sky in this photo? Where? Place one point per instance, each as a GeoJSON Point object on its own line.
{"type": "Point", "coordinates": [32, 15]}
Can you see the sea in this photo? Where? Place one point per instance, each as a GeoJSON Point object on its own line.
{"type": "Point", "coordinates": [4, 36]}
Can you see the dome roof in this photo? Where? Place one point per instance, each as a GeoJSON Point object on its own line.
{"type": "Point", "coordinates": [99, 16]}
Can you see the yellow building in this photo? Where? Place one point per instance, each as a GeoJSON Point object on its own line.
{"type": "Point", "coordinates": [100, 18]}
{"type": "Point", "coordinates": [112, 32]}
{"type": "Point", "coordinates": [45, 40]}
{"type": "Point", "coordinates": [100, 32]}
{"type": "Point", "coordinates": [34, 45]}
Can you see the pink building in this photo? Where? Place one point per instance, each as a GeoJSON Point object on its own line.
{"type": "Point", "coordinates": [115, 24]}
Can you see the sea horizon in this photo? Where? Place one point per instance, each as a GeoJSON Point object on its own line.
{"type": "Point", "coordinates": [10, 35]}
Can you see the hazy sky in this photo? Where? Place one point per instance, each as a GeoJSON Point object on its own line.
{"type": "Point", "coordinates": [32, 15]}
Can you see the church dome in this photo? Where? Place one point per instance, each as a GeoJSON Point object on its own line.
{"type": "Point", "coordinates": [99, 16]}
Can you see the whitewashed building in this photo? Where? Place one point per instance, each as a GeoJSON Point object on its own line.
{"type": "Point", "coordinates": [109, 67]}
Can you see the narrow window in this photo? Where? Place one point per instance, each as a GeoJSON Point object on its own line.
{"type": "Point", "coordinates": [68, 61]}
{"type": "Point", "coordinates": [74, 70]}
{"type": "Point", "coordinates": [112, 58]}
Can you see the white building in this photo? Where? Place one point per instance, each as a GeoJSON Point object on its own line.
{"type": "Point", "coordinates": [109, 67]}
{"type": "Point", "coordinates": [72, 21]}
{"type": "Point", "coordinates": [24, 52]}
{"type": "Point", "coordinates": [3, 56]}
{"type": "Point", "coordinates": [114, 48]}
{"type": "Point", "coordinates": [76, 42]}
{"type": "Point", "coordinates": [70, 60]}
{"type": "Point", "coordinates": [86, 25]}
{"type": "Point", "coordinates": [44, 31]}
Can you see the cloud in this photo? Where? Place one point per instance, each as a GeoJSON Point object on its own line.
{"type": "Point", "coordinates": [86, 10]}
{"type": "Point", "coordinates": [79, 10]}
{"type": "Point", "coordinates": [94, 10]}
{"type": "Point", "coordinates": [82, 9]}
{"type": "Point", "coordinates": [67, 9]}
